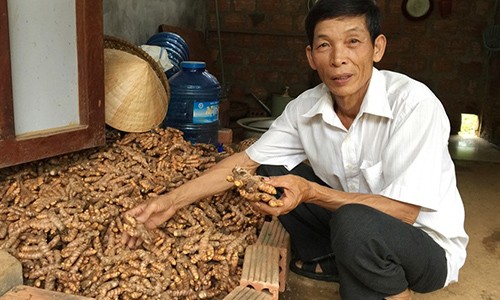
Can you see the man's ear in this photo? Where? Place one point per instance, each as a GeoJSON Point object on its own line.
{"type": "Point", "coordinates": [379, 48]}
{"type": "Point", "coordinates": [310, 58]}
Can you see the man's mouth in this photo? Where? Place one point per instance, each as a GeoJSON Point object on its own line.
{"type": "Point", "coordinates": [341, 77]}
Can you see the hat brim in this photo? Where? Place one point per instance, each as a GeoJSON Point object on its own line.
{"type": "Point", "coordinates": [136, 89]}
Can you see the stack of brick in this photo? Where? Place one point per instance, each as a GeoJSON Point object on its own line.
{"type": "Point", "coordinates": [245, 293]}
{"type": "Point", "coordinates": [265, 265]}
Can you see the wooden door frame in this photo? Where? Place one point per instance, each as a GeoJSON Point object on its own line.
{"type": "Point", "coordinates": [91, 130]}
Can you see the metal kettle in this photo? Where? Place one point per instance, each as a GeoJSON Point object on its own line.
{"type": "Point", "coordinates": [278, 102]}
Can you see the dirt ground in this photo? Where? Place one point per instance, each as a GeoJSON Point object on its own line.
{"type": "Point", "coordinates": [479, 185]}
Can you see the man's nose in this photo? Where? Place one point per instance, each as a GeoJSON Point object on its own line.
{"type": "Point", "coordinates": [338, 56]}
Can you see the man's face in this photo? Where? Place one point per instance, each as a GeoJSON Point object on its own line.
{"type": "Point", "coordinates": [343, 55]}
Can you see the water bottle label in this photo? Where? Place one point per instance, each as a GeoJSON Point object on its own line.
{"type": "Point", "coordinates": [205, 112]}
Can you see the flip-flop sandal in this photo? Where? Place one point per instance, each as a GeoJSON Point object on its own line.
{"type": "Point", "coordinates": [329, 270]}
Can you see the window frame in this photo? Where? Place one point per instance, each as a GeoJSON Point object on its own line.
{"type": "Point", "coordinates": [52, 142]}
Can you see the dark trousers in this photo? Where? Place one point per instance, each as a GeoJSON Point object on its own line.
{"type": "Point", "coordinates": [376, 255]}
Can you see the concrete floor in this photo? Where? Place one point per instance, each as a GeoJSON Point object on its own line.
{"type": "Point", "coordinates": [478, 174]}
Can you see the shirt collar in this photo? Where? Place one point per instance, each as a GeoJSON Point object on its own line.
{"type": "Point", "coordinates": [324, 104]}
{"type": "Point", "coordinates": [375, 102]}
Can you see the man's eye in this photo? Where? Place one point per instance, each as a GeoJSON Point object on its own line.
{"type": "Point", "coordinates": [323, 45]}
{"type": "Point", "coordinates": [354, 41]}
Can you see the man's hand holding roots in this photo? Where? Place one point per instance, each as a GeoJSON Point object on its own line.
{"type": "Point", "coordinates": [149, 215]}
{"type": "Point", "coordinates": [253, 187]}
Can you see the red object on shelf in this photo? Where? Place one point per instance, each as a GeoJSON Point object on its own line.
{"type": "Point", "coordinates": [445, 8]}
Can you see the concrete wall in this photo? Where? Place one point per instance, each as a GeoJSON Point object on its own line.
{"type": "Point", "coordinates": [137, 20]}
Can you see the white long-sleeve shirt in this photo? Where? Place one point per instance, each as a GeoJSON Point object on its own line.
{"type": "Point", "coordinates": [396, 147]}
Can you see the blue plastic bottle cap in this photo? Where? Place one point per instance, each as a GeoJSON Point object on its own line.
{"type": "Point", "coordinates": [193, 64]}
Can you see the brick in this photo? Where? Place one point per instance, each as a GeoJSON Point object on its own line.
{"type": "Point", "coordinates": [224, 5]}
{"type": "Point", "coordinates": [449, 26]}
{"type": "Point", "coordinates": [483, 8]}
{"type": "Point", "coordinates": [299, 24]}
{"type": "Point", "coordinates": [273, 234]}
{"type": "Point", "coordinates": [462, 8]}
{"type": "Point", "coordinates": [23, 292]}
{"type": "Point", "coordinates": [224, 107]}
{"type": "Point", "coordinates": [12, 272]}
{"type": "Point", "coordinates": [473, 28]}
{"type": "Point", "coordinates": [261, 269]}
{"type": "Point", "coordinates": [476, 48]}
{"type": "Point", "coordinates": [391, 25]}
{"type": "Point", "coordinates": [412, 28]}
{"type": "Point", "coordinates": [236, 20]}
{"type": "Point", "coordinates": [259, 58]}
{"type": "Point", "coordinates": [457, 47]}
{"type": "Point", "coordinates": [241, 74]}
{"type": "Point", "coordinates": [245, 293]}
{"type": "Point", "coordinates": [212, 22]}
{"type": "Point", "coordinates": [292, 6]}
{"type": "Point", "coordinates": [381, 4]}
{"type": "Point", "coordinates": [394, 6]}
{"type": "Point", "coordinates": [269, 6]}
{"type": "Point", "coordinates": [225, 136]}
{"type": "Point", "coordinates": [281, 23]}
{"type": "Point", "coordinates": [427, 47]}
{"type": "Point", "coordinates": [294, 81]}
{"type": "Point", "coordinates": [470, 69]}
{"type": "Point", "coordinates": [398, 44]}
{"type": "Point", "coordinates": [301, 60]}
{"type": "Point", "coordinates": [244, 5]}
{"type": "Point", "coordinates": [246, 41]}
{"type": "Point", "coordinates": [388, 62]}
{"type": "Point", "coordinates": [259, 91]}
{"type": "Point", "coordinates": [282, 61]}
{"type": "Point", "coordinates": [233, 56]}
{"type": "Point", "coordinates": [443, 65]}
{"type": "Point", "coordinates": [451, 86]}
{"type": "Point", "coordinates": [413, 66]}
{"type": "Point", "coordinates": [267, 75]}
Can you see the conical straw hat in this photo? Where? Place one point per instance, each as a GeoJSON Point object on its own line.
{"type": "Point", "coordinates": [136, 98]}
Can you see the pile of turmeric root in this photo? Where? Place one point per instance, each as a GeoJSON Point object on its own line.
{"type": "Point", "coordinates": [253, 187]}
{"type": "Point", "coordinates": [63, 218]}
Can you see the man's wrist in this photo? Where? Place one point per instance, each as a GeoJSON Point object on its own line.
{"type": "Point", "coordinates": [311, 191]}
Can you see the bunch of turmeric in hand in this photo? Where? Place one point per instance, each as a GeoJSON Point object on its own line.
{"type": "Point", "coordinates": [253, 187]}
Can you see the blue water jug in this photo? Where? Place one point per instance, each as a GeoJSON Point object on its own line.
{"type": "Point", "coordinates": [194, 103]}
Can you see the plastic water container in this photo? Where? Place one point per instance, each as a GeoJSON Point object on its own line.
{"type": "Point", "coordinates": [176, 49]}
{"type": "Point", "coordinates": [194, 103]}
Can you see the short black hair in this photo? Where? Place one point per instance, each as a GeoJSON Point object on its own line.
{"type": "Point", "coordinates": [330, 9]}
